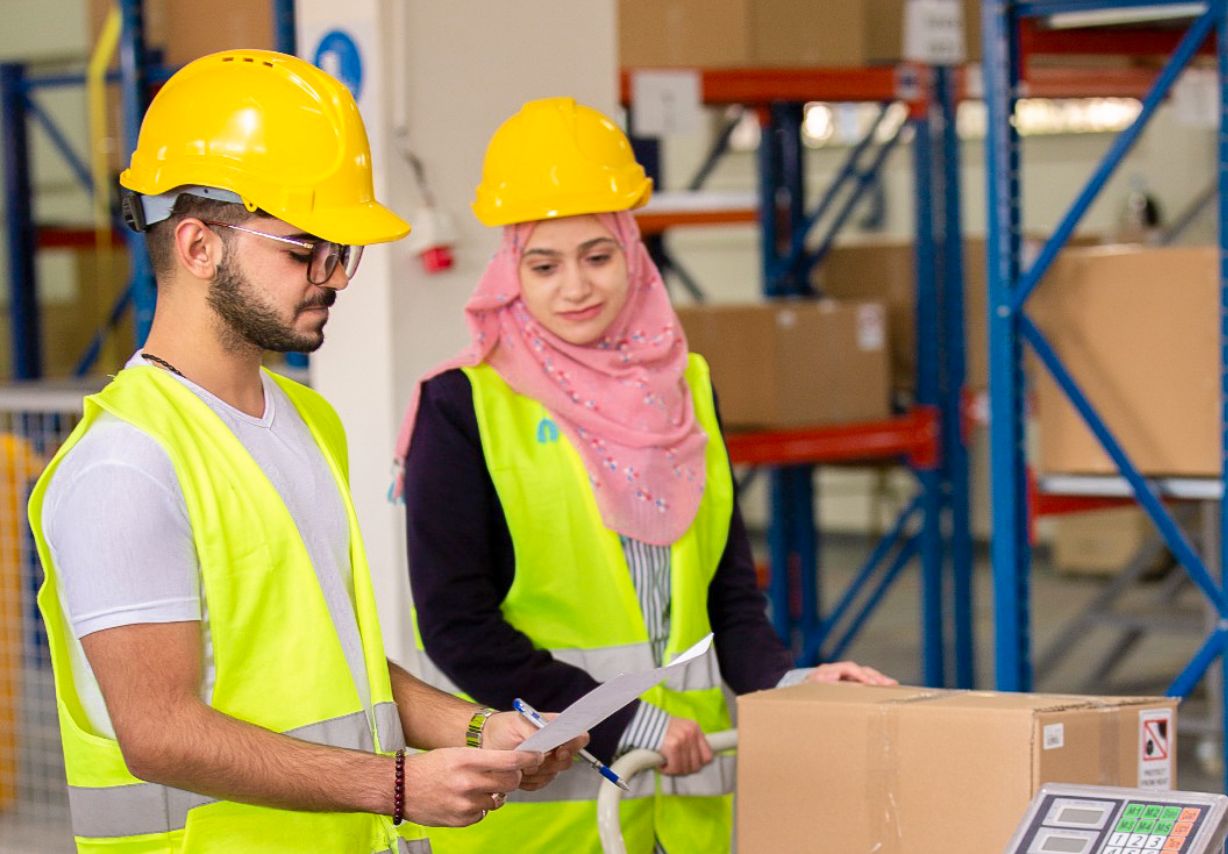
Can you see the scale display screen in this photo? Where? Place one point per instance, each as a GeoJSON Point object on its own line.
{"type": "Point", "coordinates": [1105, 820]}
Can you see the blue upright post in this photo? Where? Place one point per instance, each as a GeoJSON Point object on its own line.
{"type": "Point", "coordinates": [1011, 554]}
{"type": "Point", "coordinates": [779, 518]}
{"type": "Point", "coordinates": [932, 635]}
{"type": "Point", "coordinates": [284, 25]}
{"type": "Point", "coordinates": [803, 538]}
{"type": "Point", "coordinates": [135, 87]}
{"type": "Point", "coordinates": [780, 528]}
{"type": "Point", "coordinates": [20, 231]}
{"type": "Point", "coordinates": [954, 446]}
{"type": "Point", "coordinates": [1222, 54]}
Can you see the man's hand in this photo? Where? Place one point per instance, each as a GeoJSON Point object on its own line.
{"type": "Point", "coordinates": [457, 786]}
{"type": "Point", "coordinates": [685, 747]}
{"type": "Point", "coordinates": [849, 671]}
{"type": "Point", "coordinates": [506, 730]}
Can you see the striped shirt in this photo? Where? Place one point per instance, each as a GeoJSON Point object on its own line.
{"type": "Point", "coordinates": [650, 574]}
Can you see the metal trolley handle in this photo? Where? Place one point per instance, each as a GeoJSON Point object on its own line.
{"type": "Point", "coordinates": [627, 766]}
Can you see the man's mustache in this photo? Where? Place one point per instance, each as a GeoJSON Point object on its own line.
{"type": "Point", "coordinates": [324, 300]}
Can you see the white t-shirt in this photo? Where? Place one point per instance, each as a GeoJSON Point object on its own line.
{"type": "Point", "coordinates": [117, 526]}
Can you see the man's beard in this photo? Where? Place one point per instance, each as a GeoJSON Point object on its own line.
{"type": "Point", "coordinates": [250, 322]}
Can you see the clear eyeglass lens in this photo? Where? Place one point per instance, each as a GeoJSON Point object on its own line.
{"type": "Point", "coordinates": [325, 257]}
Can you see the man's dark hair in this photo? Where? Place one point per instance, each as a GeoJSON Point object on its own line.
{"type": "Point", "coordinates": [160, 237]}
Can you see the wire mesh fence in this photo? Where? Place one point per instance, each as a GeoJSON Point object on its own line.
{"type": "Point", "coordinates": [34, 421]}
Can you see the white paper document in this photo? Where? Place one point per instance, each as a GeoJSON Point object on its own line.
{"type": "Point", "coordinates": [604, 700]}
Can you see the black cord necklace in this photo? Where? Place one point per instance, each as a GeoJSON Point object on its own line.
{"type": "Point", "coordinates": [162, 363]}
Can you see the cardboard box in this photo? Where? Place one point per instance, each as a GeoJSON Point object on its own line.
{"type": "Point", "coordinates": [769, 33]}
{"type": "Point", "coordinates": [794, 363]}
{"type": "Point", "coordinates": [886, 270]}
{"type": "Point", "coordinates": [1099, 542]}
{"type": "Point", "coordinates": [185, 30]}
{"type": "Point", "coordinates": [78, 289]}
{"type": "Point", "coordinates": [1138, 328]}
{"type": "Point", "coordinates": [853, 769]}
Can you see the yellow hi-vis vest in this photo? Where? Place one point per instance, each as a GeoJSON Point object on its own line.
{"type": "Point", "coordinates": [279, 660]}
{"type": "Point", "coordinates": [572, 594]}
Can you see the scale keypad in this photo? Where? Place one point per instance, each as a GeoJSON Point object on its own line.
{"type": "Point", "coordinates": [1113, 826]}
{"type": "Point", "coordinates": [1144, 828]}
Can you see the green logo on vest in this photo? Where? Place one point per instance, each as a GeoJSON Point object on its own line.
{"type": "Point", "coordinates": [547, 431]}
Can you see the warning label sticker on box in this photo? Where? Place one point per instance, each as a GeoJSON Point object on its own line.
{"type": "Point", "coordinates": [1054, 736]}
{"type": "Point", "coordinates": [1155, 749]}
{"type": "Point", "coordinates": [871, 328]}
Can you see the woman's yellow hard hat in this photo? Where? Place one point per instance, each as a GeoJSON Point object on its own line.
{"type": "Point", "coordinates": [283, 135]}
{"type": "Point", "coordinates": [557, 158]}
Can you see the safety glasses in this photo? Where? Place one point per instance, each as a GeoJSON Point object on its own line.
{"type": "Point", "coordinates": [323, 255]}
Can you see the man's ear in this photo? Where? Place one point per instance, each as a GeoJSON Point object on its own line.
{"type": "Point", "coordinates": [198, 249]}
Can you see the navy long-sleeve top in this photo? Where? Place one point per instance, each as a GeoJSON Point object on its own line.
{"type": "Point", "coordinates": [462, 565]}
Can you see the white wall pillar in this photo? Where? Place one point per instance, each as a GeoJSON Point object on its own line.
{"type": "Point", "coordinates": [453, 71]}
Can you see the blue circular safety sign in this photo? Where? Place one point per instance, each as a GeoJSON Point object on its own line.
{"type": "Point", "coordinates": [337, 53]}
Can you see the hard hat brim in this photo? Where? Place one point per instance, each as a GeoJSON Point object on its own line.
{"type": "Point", "coordinates": [357, 225]}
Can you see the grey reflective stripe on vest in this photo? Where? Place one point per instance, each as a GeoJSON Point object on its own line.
{"type": "Point", "coordinates": [153, 808]}
{"type": "Point", "coordinates": [130, 810]}
{"type": "Point", "coordinates": [581, 783]}
{"type": "Point", "coordinates": [388, 725]}
{"type": "Point", "coordinates": [413, 846]}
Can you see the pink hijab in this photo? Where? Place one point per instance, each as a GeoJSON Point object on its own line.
{"type": "Point", "coordinates": [622, 401]}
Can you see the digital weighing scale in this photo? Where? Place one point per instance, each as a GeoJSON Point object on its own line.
{"type": "Point", "coordinates": [1068, 819]}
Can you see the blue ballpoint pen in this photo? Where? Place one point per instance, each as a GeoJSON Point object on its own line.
{"type": "Point", "coordinates": [531, 714]}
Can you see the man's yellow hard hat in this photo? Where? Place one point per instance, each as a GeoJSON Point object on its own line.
{"type": "Point", "coordinates": [557, 158]}
{"type": "Point", "coordinates": [283, 135]}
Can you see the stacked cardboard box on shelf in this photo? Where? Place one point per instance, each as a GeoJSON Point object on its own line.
{"type": "Point", "coordinates": [1139, 330]}
{"type": "Point", "coordinates": [185, 30]}
{"type": "Point", "coordinates": [794, 363]}
{"type": "Point", "coordinates": [769, 33]}
{"type": "Point", "coordinates": [77, 288]}
{"type": "Point", "coordinates": [842, 768]}
{"type": "Point", "coordinates": [1098, 542]}
{"type": "Point", "coordinates": [886, 269]}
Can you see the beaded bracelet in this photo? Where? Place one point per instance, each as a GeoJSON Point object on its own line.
{"type": "Point", "coordinates": [398, 790]}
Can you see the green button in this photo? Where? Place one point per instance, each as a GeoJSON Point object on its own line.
{"type": "Point", "coordinates": [1127, 825]}
{"type": "Point", "coordinates": [1171, 813]}
{"type": "Point", "coordinates": [1133, 811]}
{"type": "Point", "coordinates": [1164, 827]}
{"type": "Point", "coordinates": [1153, 811]}
{"type": "Point", "coordinates": [1147, 825]}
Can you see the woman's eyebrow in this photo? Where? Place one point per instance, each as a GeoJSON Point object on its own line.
{"type": "Point", "coordinates": [583, 247]}
{"type": "Point", "coordinates": [589, 244]}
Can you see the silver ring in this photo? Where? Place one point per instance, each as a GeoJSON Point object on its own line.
{"type": "Point", "coordinates": [482, 816]}
{"type": "Point", "coordinates": [498, 799]}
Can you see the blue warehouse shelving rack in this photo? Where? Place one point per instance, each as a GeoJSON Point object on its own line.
{"type": "Point", "coordinates": [930, 438]}
{"type": "Point", "coordinates": [1010, 28]}
{"type": "Point", "coordinates": [139, 72]}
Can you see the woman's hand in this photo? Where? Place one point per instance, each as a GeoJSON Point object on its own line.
{"type": "Point", "coordinates": [849, 671]}
{"type": "Point", "coordinates": [685, 748]}
{"type": "Point", "coordinates": [506, 730]}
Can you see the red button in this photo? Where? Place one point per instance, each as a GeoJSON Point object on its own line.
{"type": "Point", "coordinates": [1190, 814]}
{"type": "Point", "coordinates": [1174, 843]}
{"type": "Point", "coordinates": [1183, 828]}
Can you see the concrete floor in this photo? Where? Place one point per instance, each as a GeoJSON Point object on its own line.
{"type": "Point", "coordinates": [890, 642]}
